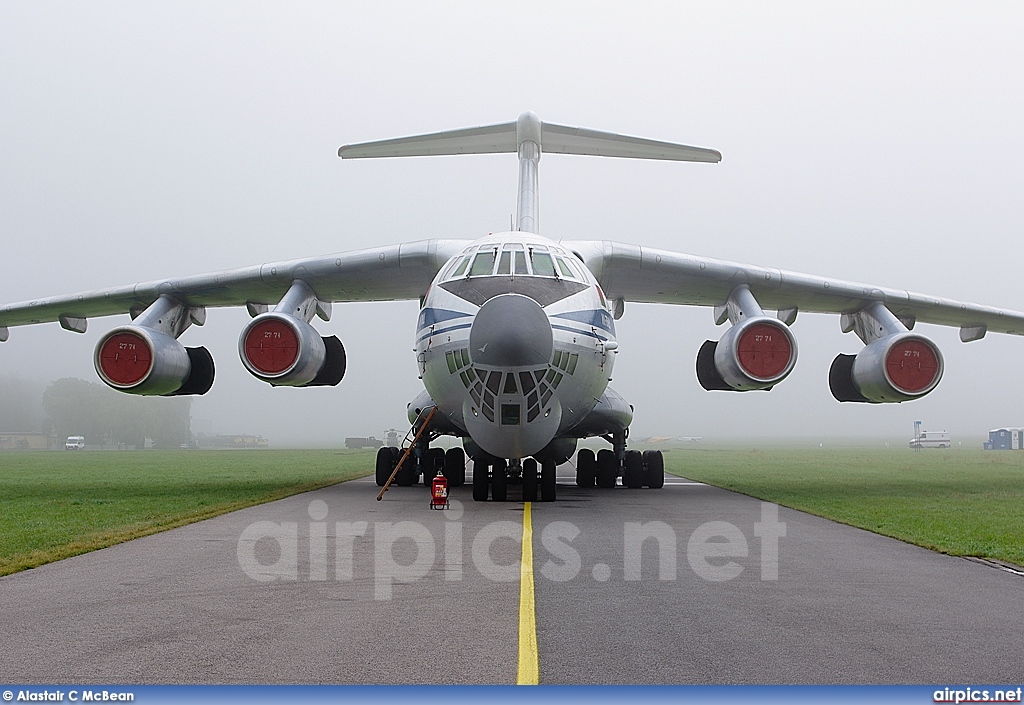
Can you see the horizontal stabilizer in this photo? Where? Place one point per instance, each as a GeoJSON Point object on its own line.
{"type": "Point", "coordinates": [562, 139]}
{"type": "Point", "coordinates": [558, 139]}
{"type": "Point", "coordinates": [489, 139]}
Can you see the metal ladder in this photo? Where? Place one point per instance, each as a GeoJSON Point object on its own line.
{"type": "Point", "coordinates": [408, 451]}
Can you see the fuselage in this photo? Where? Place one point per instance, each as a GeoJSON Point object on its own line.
{"type": "Point", "coordinates": [514, 342]}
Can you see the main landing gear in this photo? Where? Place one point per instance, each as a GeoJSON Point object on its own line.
{"type": "Point", "coordinates": [423, 462]}
{"type": "Point", "coordinates": [638, 470]}
{"type": "Point", "coordinates": [524, 480]}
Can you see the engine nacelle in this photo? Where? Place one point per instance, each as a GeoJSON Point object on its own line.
{"type": "Point", "coordinates": [140, 360]}
{"type": "Point", "coordinates": [756, 353]}
{"type": "Point", "coordinates": [286, 351]}
{"type": "Point", "coordinates": [897, 368]}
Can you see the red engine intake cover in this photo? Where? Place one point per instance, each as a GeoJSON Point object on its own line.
{"type": "Point", "coordinates": [271, 346]}
{"type": "Point", "coordinates": [126, 359]}
{"type": "Point", "coordinates": [764, 351]}
{"type": "Point", "coordinates": [912, 365]}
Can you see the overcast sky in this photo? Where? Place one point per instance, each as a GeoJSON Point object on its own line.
{"type": "Point", "coordinates": [879, 142]}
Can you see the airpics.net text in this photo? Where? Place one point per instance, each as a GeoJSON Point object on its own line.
{"type": "Point", "coordinates": [270, 551]}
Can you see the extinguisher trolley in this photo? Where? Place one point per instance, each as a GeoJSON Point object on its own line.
{"type": "Point", "coordinates": [439, 492]}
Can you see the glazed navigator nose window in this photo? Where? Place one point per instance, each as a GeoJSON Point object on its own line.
{"type": "Point", "coordinates": [509, 414]}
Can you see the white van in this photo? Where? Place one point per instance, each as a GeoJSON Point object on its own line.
{"type": "Point", "coordinates": [75, 443]}
{"type": "Point", "coordinates": [931, 439]}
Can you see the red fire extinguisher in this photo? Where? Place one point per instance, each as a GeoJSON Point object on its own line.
{"type": "Point", "coordinates": [439, 492]}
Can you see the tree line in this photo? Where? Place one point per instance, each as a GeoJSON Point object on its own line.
{"type": "Point", "coordinates": [74, 407]}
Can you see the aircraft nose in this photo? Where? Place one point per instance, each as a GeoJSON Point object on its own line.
{"type": "Point", "coordinates": [511, 330]}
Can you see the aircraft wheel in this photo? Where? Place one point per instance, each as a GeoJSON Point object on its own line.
{"type": "Point", "coordinates": [433, 460]}
{"type": "Point", "coordinates": [407, 475]}
{"type": "Point", "coordinates": [654, 469]}
{"type": "Point", "coordinates": [633, 470]}
{"type": "Point", "coordinates": [547, 482]}
{"type": "Point", "coordinates": [607, 469]}
{"type": "Point", "coordinates": [455, 467]}
{"type": "Point", "coordinates": [385, 466]}
{"type": "Point", "coordinates": [529, 480]}
{"type": "Point", "coordinates": [586, 466]}
{"type": "Point", "coordinates": [479, 481]}
{"type": "Point", "coordinates": [499, 481]}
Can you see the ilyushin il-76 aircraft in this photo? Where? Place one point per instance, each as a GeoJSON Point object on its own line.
{"type": "Point", "coordinates": [515, 341]}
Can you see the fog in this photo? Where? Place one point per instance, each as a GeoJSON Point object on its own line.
{"type": "Point", "coordinates": [879, 142]}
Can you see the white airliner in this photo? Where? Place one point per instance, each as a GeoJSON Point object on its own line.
{"type": "Point", "coordinates": [516, 341]}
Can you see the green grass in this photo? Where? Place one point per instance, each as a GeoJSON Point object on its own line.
{"type": "Point", "coordinates": [56, 505]}
{"type": "Point", "coordinates": [960, 502]}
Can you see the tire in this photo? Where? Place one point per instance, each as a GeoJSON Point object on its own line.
{"type": "Point", "coordinates": [586, 466]}
{"type": "Point", "coordinates": [547, 482]}
{"type": "Point", "coordinates": [455, 467]}
{"type": "Point", "coordinates": [499, 481]}
{"type": "Point", "coordinates": [385, 466]}
{"type": "Point", "coordinates": [654, 469]}
{"type": "Point", "coordinates": [433, 460]}
{"type": "Point", "coordinates": [633, 470]}
{"type": "Point", "coordinates": [607, 469]}
{"type": "Point", "coordinates": [407, 475]}
{"type": "Point", "coordinates": [529, 480]}
{"type": "Point", "coordinates": [480, 481]}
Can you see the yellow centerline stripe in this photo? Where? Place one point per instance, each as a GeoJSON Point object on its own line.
{"type": "Point", "coordinates": [529, 665]}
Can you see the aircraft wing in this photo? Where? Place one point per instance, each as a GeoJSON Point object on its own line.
{"type": "Point", "coordinates": [387, 273]}
{"type": "Point", "coordinates": [647, 275]}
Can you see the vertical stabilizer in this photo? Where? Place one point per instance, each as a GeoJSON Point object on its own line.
{"type": "Point", "coordinates": [528, 145]}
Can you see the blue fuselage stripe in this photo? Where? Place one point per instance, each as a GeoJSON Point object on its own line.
{"type": "Point", "coordinates": [440, 331]}
{"type": "Point", "coordinates": [594, 317]}
{"type": "Point", "coordinates": [433, 316]}
{"type": "Point", "coordinates": [578, 331]}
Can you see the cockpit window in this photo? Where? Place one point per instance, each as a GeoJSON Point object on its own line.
{"type": "Point", "coordinates": [461, 269]}
{"type": "Point", "coordinates": [514, 259]}
{"type": "Point", "coordinates": [483, 264]}
{"type": "Point", "coordinates": [521, 263]}
{"type": "Point", "coordinates": [505, 262]}
{"type": "Point", "coordinates": [564, 269]}
{"type": "Point", "coordinates": [543, 266]}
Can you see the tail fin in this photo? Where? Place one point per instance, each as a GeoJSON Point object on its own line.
{"type": "Point", "coordinates": [529, 137]}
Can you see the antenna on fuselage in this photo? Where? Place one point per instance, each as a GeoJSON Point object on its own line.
{"type": "Point", "coordinates": [528, 137]}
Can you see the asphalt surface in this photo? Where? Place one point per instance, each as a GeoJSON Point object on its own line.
{"type": "Point", "coordinates": [221, 602]}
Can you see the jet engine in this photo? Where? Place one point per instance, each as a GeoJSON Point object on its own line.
{"type": "Point", "coordinates": [145, 357]}
{"type": "Point", "coordinates": [757, 352]}
{"type": "Point", "coordinates": [894, 366]}
{"type": "Point", "coordinates": [281, 347]}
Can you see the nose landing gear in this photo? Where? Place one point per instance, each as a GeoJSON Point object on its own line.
{"type": "Point", "coordinates": [500, 476]}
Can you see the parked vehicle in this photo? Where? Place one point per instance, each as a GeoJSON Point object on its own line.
{"type": "Point", "coordinates": [931, 439]}
{"type": "Point", "coordinates": [75, 443]}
